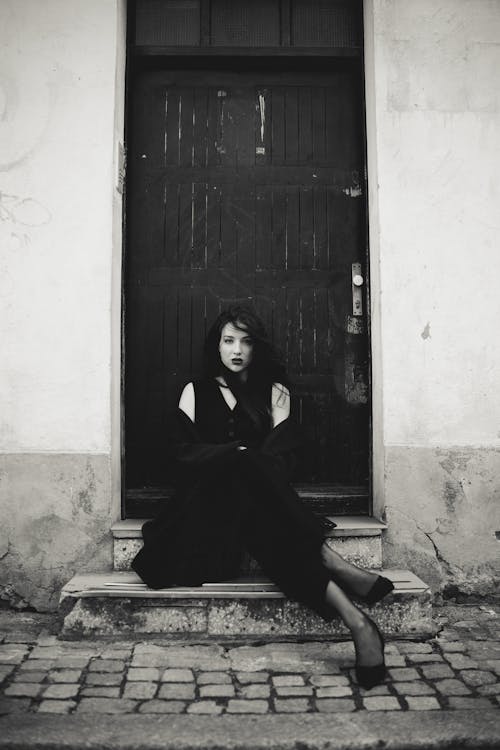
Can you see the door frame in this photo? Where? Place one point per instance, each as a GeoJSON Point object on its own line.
{"type": "Point", "coordinates": [377, 463]}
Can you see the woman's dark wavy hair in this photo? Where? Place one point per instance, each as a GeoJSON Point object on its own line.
{"type": "Point", "coordinates": [265, 368]}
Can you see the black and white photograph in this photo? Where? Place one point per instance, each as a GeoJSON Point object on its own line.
{"type": "Point", "coordinates": [249, 374]}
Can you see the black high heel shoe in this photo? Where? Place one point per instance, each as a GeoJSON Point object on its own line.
{"type": "Point", "coordinates": [380, 588]}
{"type": "Point", "coordinates": [368, 677]}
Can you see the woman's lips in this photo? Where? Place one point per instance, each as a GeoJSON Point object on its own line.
{"type": "Point", "coordinates": [237, 361]}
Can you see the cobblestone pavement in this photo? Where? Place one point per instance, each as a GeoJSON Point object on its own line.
{"type": "Point", "coordinates": [458, 669]}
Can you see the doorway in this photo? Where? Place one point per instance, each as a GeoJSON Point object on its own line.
{"type": "Point", "coordinates": [246, 183]}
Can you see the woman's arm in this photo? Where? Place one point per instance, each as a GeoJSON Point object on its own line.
{"type": "Point", "coordinates": [280, 403]}
{"type": "Point", "coordinates": [187, 401]}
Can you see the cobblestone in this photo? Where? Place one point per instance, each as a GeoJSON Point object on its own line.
{"type": "Point", "coordinates": [177, 675]}
{"type": "Point", "coordinates": [106, 665]}
{"type": "Point", "coordinates": [476, 677]}
{"type": "Point", "coordinates": [291, 705]}
{"type": "Point", "coordinates": [27, 676]}
{"type": "Point", "coordinates": [98, 678]}
{"type": "Point", "coordinates": [239, 706]}
{"type": "Point", "coordinates": [413, 688]}
{"type": "Point", "coordinates": [255, 691]}
{"type": "Point", "coordinates": [162, 707]}
{"type": "Point", "coordinates": [23, 690]}
{"type": "Point", "coordinates": [288, 680]}
{"type": "Point", "coordinates": [289, 691]}
{"type": "Point", "coordinates": [216, 691]}
{"type": "Point", "coordinates": [328, 680]}
{"type": "Point", "coordinates": [106, 705]}
{"type": "Point", "coordinates": [181, 691]}
{"type": "Point", "coordinates": [335, 705]}
{"type": "Point", "coordinates": [213, 678]}
{"type": "Point", "coordinates": [422, 703]}
{"type": "Point", "coordinates": [334, 692]}
{"type": "Point", "coordinates": [458, 670]}
{"type": "Point", "coordinates": [205, 707]}
{"type": "Point", "coordinates": [452, 687]}
{"type": "Point", "coordinates": [56, 707]}
{"type": "Point", "coordinates": [436, 671]}
{"type": "Point", "coordinates": [140, 690]}
{"type": "Point", "coordinates": [143, 673]}
{"type": "Point", "coordinates": [381, 703]}
{"type": "Point", "coordinates": [246, 678]}
{"type": "Point", "coordinates": [61, 691]}
{"type": "Point", "coordinates": [101, 691]}
{"type": "Point", "coordinates": [403, 674]}
{"type": "Point", "coordinates": [65, 675]}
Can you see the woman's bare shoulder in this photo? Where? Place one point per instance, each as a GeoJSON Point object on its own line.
{"type": "Point", "coordinates": [187, 401]}
{"type": "Point", "coordinates": [280, 403]}
{"type": "Point", "coordinates": [280, 394]}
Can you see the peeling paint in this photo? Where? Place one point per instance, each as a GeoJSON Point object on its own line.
{"type": "Point", "coordinates": [426, 333]}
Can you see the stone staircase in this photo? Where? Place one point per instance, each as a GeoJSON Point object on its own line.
{"type": "Point", "coordinates": [251, 607]}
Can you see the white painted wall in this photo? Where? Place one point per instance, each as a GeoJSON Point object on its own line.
{"type": "Point", "coordinates": [57, 148]}
{"type": "Point", "coordinates": [434, 154]}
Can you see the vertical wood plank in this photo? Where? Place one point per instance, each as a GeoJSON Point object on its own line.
{"type": "Point", "coordinates": [213, 225]}
{"type": "Point", "coordinates": [318, 134]}
{"type": "Point", "coordinates": [171, 229]}
{"type": "Point", "coordinates": [186, 133]}
{"type": "Point", "coordinates": [291, 125]}
{"type": "Point", "coordinates": [200, 132]}
{"type": "Point", "coordinates": [308, 317]}
{"type": "Point", "coordinates": [199, 220]}
{"type": "Point", "coordinates": [172, 126]}
{"type": "Point", "coordinates": [305, 125]}
{"type": "Point", "coordinates": [306, 229]}
{"type": "Point", "coordinates": [213, 105]}
{"type": "Point", "coordinates": [263, 227]}
{"type": "Point", "coordinates": [320, 228]}
{"type": "Point", "coordinates": [229, 238]}
{"type": "Point", "coordinates": [185, 225]}
{"type": "Point", "coordinates": [278, 125]}
{"type": "Point", "coordinates": [278, 219]}
{"type": "Point", "coordinates": [292, 226]}
{"type": "Point", "coordinates": [245, 126]}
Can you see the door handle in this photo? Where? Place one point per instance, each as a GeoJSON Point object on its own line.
{"type": "Point", "coordinates": [357, 282]}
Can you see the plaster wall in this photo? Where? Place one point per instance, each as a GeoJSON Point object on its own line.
{"type": "Point", "coordinates": [61, 101]}
{"type": "Point", "coordinates": [434, 154]}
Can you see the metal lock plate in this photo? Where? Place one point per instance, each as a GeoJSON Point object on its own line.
{"type": "Point", "coordinates": [357, 289]}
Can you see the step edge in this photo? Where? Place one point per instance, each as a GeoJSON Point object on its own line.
{"type": "Point", "coordinates": [112, 584]}
{"type": "Point", "coordinates": [131, 528]}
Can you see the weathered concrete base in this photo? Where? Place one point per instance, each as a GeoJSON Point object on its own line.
{"type": "Point", "coordinates": [56, 516]}
{"type": "Point", "coordinates": [443, 515]}
{"type": "Point", "coordinates": [357, 538]}
{"type": "Point", "coordinates": [365, 551]}
{"type": "Point", "coordinates": [94, 605]}
{"type": "Point", "coordinates": [370, 730]}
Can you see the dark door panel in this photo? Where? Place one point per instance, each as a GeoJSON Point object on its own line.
{"type": "Point", "coordinates": [247, 187]}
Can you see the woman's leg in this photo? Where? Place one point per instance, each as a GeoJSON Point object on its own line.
{"type": "Point", "coordinates": [369, 647]}
{"type": "Point", "coordinates": [358, 580]}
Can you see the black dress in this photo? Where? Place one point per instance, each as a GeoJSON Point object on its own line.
{"type": "Point", "coordinates": [231, 500]}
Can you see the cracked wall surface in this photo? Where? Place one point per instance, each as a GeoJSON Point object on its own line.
{"type": "Point", "coordinates": [443, 509]}
{"type": "Point", "coordinates": [56, 517]}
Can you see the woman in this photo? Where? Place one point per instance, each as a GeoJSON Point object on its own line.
{"type": "Point", "coordinates": [234, 442]}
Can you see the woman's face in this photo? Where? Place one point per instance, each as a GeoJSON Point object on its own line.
{"type": "Point", "coordinates": [235, 348]}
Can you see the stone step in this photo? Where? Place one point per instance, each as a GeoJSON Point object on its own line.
{"type": "Point", "coordinates": [117, 603]}
{"type": "Point", "coordinates": [357, 538]}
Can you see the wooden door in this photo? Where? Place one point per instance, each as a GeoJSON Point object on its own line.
{"type": "Point", "coordinates": [247, 187]}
